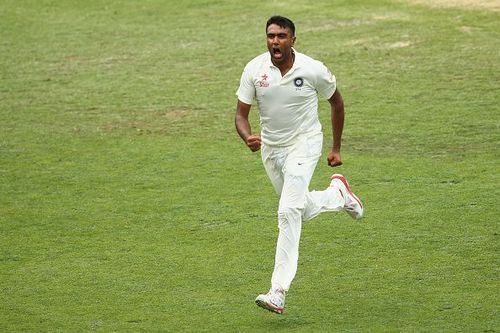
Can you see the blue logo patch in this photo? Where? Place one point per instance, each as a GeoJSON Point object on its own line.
{"type": "Point", "coordinates": [298, 82]}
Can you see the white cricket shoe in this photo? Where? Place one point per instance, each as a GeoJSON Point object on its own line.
{"type": "Point", "coordinates": [353, 205]}
{"type": "Point", "coordinates": [273, 301]}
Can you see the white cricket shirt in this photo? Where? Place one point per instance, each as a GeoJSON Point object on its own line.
{"type": "Point", "coordinates": [288, 105]}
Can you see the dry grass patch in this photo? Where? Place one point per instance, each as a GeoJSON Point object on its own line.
{"type": "Point", "coordinates": [470, 4]}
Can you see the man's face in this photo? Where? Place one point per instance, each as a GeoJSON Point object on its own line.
{"type": "Point", "coordinates": [279, 43]}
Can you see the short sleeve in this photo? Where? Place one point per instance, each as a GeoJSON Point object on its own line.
{"type": "Point", "coordinates": [326, 83]}
{"type": "Point", "coordinates": [246, 91]}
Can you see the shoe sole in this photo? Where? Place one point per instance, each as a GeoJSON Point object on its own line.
{"type": "Point", "coordinates": [269, 307]}
{"type": "Point", "coordinates": [346, 184]}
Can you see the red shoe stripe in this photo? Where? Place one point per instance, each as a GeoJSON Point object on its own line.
{"type": "Point", "coordinates": [343, 180]}
{"type": "Point", "coordinates": [270, 307]}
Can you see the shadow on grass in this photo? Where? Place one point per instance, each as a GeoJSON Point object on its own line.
{"type": "Point", "coordinates": [286, 322]}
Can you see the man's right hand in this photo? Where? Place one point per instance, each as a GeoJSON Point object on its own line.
{"type": "Point", "coordinates": [253, 142]}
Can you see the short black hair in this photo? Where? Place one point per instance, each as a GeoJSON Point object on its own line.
{"type": "Point", "coordinates": [282, 22]}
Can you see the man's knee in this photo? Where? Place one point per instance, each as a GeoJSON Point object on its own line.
{"type": "Point", "coordinates": [289, 215]}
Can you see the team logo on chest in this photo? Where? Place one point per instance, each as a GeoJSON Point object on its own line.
{"type": "Point", "coordinates": [263, 83]}
{"type": "Point", "coordinates": [298, 82]}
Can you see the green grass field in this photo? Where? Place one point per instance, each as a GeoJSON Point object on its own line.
{"type": "Point", "coordinates": [129, 204]}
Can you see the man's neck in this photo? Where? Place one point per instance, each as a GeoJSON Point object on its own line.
{"type": "Point", "coordinates": [287, 65]}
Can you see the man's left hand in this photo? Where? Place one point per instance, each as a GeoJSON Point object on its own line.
{"type": "Point", "coordinates": [334, 159]}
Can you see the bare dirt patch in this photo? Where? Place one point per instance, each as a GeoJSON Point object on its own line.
{"type": "Point", "coordinates": [493, 5]}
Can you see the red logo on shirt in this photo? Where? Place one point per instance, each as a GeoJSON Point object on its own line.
{"type": "Point", "coordinates": [263, 83]}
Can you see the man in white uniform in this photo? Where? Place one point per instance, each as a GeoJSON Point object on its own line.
{"type": "Point", "coordinates": [286, 84]}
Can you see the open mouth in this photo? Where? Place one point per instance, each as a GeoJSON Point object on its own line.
{"type": "Point", "coordinates": [277, 53]}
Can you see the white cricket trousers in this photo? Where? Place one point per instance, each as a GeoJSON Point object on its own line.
{"type": "Point", "coordinates": [290, 170]}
